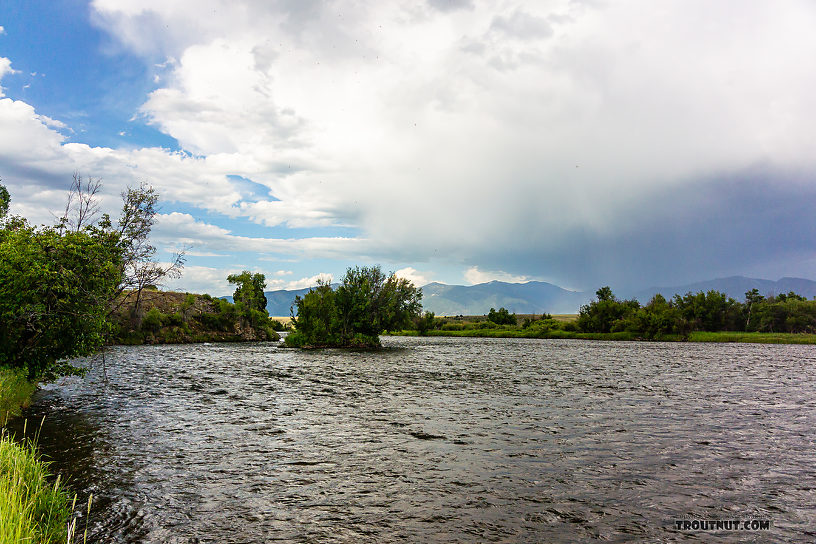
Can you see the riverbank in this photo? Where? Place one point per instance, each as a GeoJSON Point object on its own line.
{"type": "Point", "coordinates": [33, 507]}
{"type": "Point", "coordinates": [698, 336]}
{"type": "Point", "coordinates": [15, 393]}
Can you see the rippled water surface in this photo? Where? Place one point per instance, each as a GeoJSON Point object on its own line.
{"type": "Point", "coordinates": [439, 440]}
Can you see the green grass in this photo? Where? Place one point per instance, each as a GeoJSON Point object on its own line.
{"type": "Point", "coordinates": [524, 333]}
{"type": "Point", "coordinates": [754, 337]}
{"type": "Point", "coordinates": [15, 393]}
{"type": "Point", "coordinates": [723, 336]}
{"type": "Point", "coordinates": [32, 508]}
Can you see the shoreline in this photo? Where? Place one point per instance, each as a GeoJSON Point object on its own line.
{"type": "Point", "coordinates": [720, 337]}
{"type": "Point", "coordinates": [34, 505]}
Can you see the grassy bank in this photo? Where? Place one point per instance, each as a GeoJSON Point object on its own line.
{"type": "Point", "coordinates": [749, 337]}
{"type": "Point", "coordinates": [753, 337]}
{"type": "Point", "coordinates": [32, 509]}
{"type": "Point", "coordinates": [523, 333]}
{"type": "Point", "coordinates": [15, 393]}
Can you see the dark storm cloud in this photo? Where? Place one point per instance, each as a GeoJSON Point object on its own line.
{"type": "Point", "coordinates": [718, 226]}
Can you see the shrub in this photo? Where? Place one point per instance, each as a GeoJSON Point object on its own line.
{"type": "Point", "coordinates": [152, 320]}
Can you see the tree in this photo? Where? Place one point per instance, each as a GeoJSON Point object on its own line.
{"type": "Point", "coordinates": [425, 323]}
{"type": "Point", "coordinates": [139, 267]}
{"type": "Point", "coordinates": [249, 290]}
{"type": "Point", "coordinates": [55, 290]}
{"type": "Point", "coordinates": [501, 317]}
{"type": "Point", "coordinates": [59, 285]}
{"type": "Point", "coordinates": [602, 314]}
{"type": "Point", "coordinates": [316, 320]}
{"type": "Point", "coordinates": [4, 201]}
{"type": "Point", "coordinates": [366, 303]}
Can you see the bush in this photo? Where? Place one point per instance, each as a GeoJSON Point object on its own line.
{"type": "Point", "coordinates": [152, 320]}
{"type": "Point", "coordinates": [501, 317]}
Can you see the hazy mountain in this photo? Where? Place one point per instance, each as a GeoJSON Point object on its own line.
{"type": "Point", "coordinates": [521, 298]}
{"type": "Point", "coordinates": [538, 297]}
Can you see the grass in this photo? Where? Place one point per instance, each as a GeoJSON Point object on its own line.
{"type": "Point", "coordinates": [754, 337]}
{"type": "Point", "coordinates": [15, 393]}
{"type": "Point", "coordinates": [32, 508]}
{"type": "Point", "coordinates": [723, 336]}
{"type": "Point", "coordinates": [524, 333]}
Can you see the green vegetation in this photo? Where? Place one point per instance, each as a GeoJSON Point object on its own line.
{"type": "Point", "coordinates": [177, 318]}
{"type": "Point", "coordinates": [701, 317]}
{"type": "Point", "coordinates": [753, 337]}
{"type": "Point", "coordinates": [31, 508]}
{"type": "Point", "coordinates": [55, 289]}
{"type": "Point", "coordinates": [363, 306]}
{"type": "Point", "coordinates": [710, 312]}
{"type": "Point", "coordinates": [501, 317]}
{"type": "Point", "coordinates": [250, 290]}
{"type": "Point", "coordinates": [15, 392]}
{"type": "Point", "coordinates": [60, 284]}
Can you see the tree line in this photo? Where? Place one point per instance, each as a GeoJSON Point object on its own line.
{"type": "Point", "coordinates": [709, 311]}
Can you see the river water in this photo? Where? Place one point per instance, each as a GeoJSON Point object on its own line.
{"type": "Point", "coordinates": [439, 440]}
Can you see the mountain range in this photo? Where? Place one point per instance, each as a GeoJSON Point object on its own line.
{"type": "Point", "coordinates": [539, 297]}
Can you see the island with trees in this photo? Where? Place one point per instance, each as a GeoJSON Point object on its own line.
{"type": "Point", "coordinates": [364, 305]}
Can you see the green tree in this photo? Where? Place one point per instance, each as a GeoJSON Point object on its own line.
{"type": "Point", "coordinates": [55, 290]}
{"type": "Point", "coordinates": [366, 303]}
{"type": "Point", "coordinates": [4, 201]}
{"type": "Point", "coordinates": [603, 314]}
{"type": "Point", "coordinates": [59, 285]}
{"type": "Point", "coordinates": [501, 317]}
{"type": "Point", "coordinates": [316, 321]}
{"type": "Point", "coordinates": [249, 290]}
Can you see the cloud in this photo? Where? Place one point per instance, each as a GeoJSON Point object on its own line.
{"type": "Point", "coordinates": [450, 5]}
{"type": "Point", "coordinates": [414, 276]}
{"type": "Point", "coordinates": [5, 68]}
{"type": "Point", "coordinates": [475, 276]}
{"type": "Point", "coordinates": [562, 140]}
{"type": "Point", "coordinates": [304, 283]}
{"type": "Point", "coordinates": [183, 230]}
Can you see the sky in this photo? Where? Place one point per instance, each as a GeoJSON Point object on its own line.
{"type": "Point", "coordinates": [579, 142]}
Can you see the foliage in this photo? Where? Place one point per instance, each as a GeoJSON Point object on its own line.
{"type": "Point", "coordinates": [366, 303]}
{"type": "Point", "coordinates": [425, 323]}
{"type": "Point", "coordinates": [55, 289]}
{"type": "Point", "coordinates": [4, 201]}
{"type": "Point", "coordinates": [59, 285]}
{"type": "Point", "coordinates": [184, 317]}
{"type": "Point", "coordinates": [602, 314]}
{"type": "Point", "coordinates": [249, 290]}
{"type": "Point", "coordinates": [501, 317]}
{"type": "Point", "coordinates": [15, 392]}
{"type": "Point", "coordinates": [700, 317]}
{"type": "Point", "coordinates": [152, 320]}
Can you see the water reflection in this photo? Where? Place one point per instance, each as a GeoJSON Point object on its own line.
{"type": "Point", "coordinates": [442, 440]}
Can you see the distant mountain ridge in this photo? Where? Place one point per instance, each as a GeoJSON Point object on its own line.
{"type": "Point", "coordinates": [535, 297]}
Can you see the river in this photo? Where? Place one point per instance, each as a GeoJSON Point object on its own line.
{"type": "Point", "coordinates": [438, 440]}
